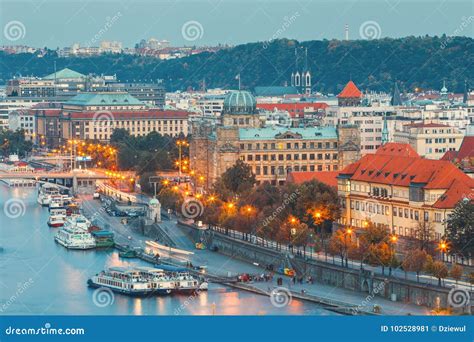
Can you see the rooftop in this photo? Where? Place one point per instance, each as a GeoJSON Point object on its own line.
{"type": "Point", "coordinates": [104, 99]}
{"type": "Point", "coordinates": [350, 91]}
{"type": "Point", "coordinates": [397, 149]}
{"type": "Point", "coordinates": [65, 73]}
{"type": "Point", "coordinates": [275, 133]}
{"type": "Point", "coordinates": [326, 177]}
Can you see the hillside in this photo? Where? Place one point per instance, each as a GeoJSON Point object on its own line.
{"type": "Point", "coordinates": [373, 64]}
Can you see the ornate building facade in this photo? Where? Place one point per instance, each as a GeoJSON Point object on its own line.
{"type": "Point", "coordinates": [271, 152]}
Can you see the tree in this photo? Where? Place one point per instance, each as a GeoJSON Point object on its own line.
{"type": "Point", "coordinates": [170, 199]}
{"type": "Point", "coordinates": [424, 234]}
{"type": "Point", "coordinates": [119, 136]}
{"type": "Point", "coordinates": [239, 178]}
{"type": "Point", "coordinates": [13, 142]}
{"type": "Point", "coordinates": [415, 261]}
{"type": "Point", "coordinates": [460, 228]}
{"type": "Point", "coordinates": [439, 270]}
{"type": "Point", "coordinates": [340, 243]}
{"type": "Point", "coordinates": [456, 272]}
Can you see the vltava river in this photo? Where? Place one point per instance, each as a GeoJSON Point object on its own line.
{"type": "Point", "coordinates": [38, 276]}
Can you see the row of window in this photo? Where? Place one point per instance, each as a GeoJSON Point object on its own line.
{"type": "Point", "coordinates": [294, 156]}
{"type": "Point", "coordinates": [282, 171]}
{"type": "Point", "coordinates": [289, 146]}
{"type": "Point", "coordinates": [111, 122]}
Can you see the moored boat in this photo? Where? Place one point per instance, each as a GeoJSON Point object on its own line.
{"type": "Point", "coordinates": [103, 238]}
{"type": "Point", "coordinates": [45, 193]}
{"type": "Point", "coordinates": [161, 283]}
{"type": "Point", "coordinates": [57, 217]}
{"type": "Point", "coordinates": [185, 282]}
{"type": "Point", "coordinates": [122, 280]}
{"type": "Point", "coordinates": [74, 234]}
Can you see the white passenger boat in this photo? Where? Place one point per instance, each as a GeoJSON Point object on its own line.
{"type": "Point", "coordinates": [74, 234]}
{"type": "Point", "coordinates": [122, 280]}
{"type": "Point", "coordinates": [46, 192]}
{"type": "Point", "coordinates": [57, 217]}
{"type": "Point", "coordinates": [56, 202]}
{"type": "Point", "coordinates": [161, 283]}
{"type": "Point", "coordinates": [77, 221]}
{"type": "Point", "coordinates": [185, 282]}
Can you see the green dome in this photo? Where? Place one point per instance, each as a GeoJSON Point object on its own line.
{"type": "Point", "coordinates": [240, 102]}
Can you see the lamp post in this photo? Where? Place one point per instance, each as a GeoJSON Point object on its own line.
{"type": "Point", "coordinates": [346, 252]}
{"type": "Point", "coordinates": [393, 241]}
{"type": "Point", "coordinates": [443, 247]}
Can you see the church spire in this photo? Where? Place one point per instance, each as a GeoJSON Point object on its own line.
{"type": "Point", "coordinates": [465, 97]}
{"type": "Point", "coordinates": [385, 130]}
{"type": "Point", "coordinates": [396, 99]}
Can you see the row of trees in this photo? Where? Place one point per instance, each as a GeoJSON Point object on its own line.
{"type": "Point", "coordinates": [13, 142]}
{"type": "Point", "coordinates": [264, 64]}
{"type": "Point", "coordinates": [144, 154]}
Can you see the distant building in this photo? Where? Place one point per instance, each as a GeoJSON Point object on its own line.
{"type": "Point", "coordinates": [301, 78]}
{"type": "Point", "coordinates": [430, 140]}
{"type": "Point", "coordinates": [350, 96]}
{"type": "Point", "coordinates": [397, 189]}
{"type": "Point", "coordinates": [271, 152]}
{"type": "Point", "coordinates": [96, 115]}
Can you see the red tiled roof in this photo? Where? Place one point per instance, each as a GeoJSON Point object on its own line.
{"type": "Point", "coordinates": [350, 91]}
{"type": "Point", "coordinates": [449, 155]}
{"type": "Point", "coordinates": [397, 149]}
{"type": "Point", "coordinates": [456, 192]}
{"type": "Point", "coordinates": [401, 171]}
{"type": "Point", "coordinates": [326, 177]}
{"type": "Point", "coordinates": [466, 150]}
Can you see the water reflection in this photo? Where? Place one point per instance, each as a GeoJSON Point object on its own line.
{"type": "Point", "coordinates": [59, 276]}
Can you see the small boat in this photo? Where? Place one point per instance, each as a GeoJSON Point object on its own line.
{"type": "Point", "coordinates": [122, 280]}
{"type": "Point", "coordinates": [57, 217]}
{"type": "Point", "coordinates": [130, 253]}
{"type": "Point", "coordinates": [103, 238]}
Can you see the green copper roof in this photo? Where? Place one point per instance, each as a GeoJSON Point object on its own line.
{"type": "Point", "coordinates": [271, 133]}
{"type": "Point", "coordinates": [239, 102]}
{"type": "Point", "coordinates": [104, 99]}
{"type": "Point", "coordinates": [275, 91]}
{"type": "Point", "coordinates": [64, 74]}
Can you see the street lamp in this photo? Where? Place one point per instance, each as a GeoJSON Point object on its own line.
{"type": "Point", "coordinates": [393, 241]}
{"type": "Point", "coordinates": [443, 247]}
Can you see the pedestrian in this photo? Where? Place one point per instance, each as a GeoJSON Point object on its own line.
{"type": "Point", "coordinates": [294, 279]}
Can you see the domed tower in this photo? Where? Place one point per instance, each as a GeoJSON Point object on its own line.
{"type": "Point", "coordinates": [240, 110]}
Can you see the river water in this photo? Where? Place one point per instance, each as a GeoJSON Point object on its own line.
{"type": "Point", "coordinates": [38, 276]}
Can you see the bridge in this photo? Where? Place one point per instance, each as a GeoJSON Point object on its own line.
{"type": "Point", "coordinates": [74, 179]}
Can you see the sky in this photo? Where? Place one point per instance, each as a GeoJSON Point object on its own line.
{"type": "Point", "coordinates": [59, 23]}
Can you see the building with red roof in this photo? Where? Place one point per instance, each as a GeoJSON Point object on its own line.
{"type": "Point", "coordinates": [326, 177]}
{"type": "Point", "coordinates": [430, 140]}
{"type": "Point", "coordinates": [464, 157]}
{"type": "Point", "coordinates": [350, 96]}
{"type": "Point", "coordinates": [95, 116]}
{"type": "Point", "coordinates": [398, 189]}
